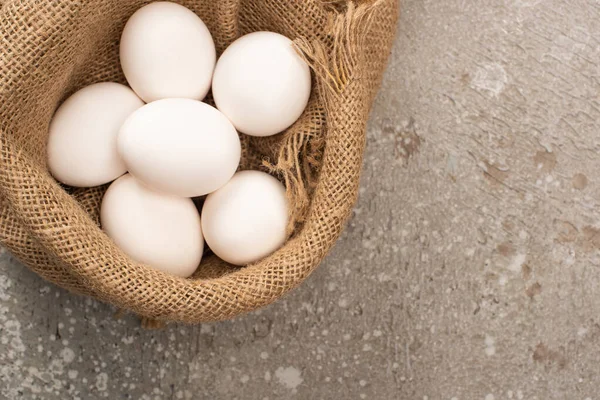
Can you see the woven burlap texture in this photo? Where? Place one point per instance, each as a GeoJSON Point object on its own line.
{"type": "Point", "coordinates": [49, 49]}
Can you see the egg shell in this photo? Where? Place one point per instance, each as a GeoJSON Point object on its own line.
{"type": "Point", "coordinates": [261, 83]}
{"type": "Point", "coordinates": [246, 219]}
{"type": "Point", "coordinates": [167, 51]}
{"type": "Point", "coordinates": [82, 138]}
{"type": "Point", "coordinates": [155, 229]}
{"type": "Point", "coordinates": [180, 146]}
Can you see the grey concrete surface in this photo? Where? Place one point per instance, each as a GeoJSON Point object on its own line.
{"type": "Point", "coordinates": [470, 270]}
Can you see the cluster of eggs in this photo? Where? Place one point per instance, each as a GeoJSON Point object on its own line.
{"type": "Point", "coordinates": [162, 146]}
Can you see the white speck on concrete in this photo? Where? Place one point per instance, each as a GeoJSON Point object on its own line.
{"type": "Point", "coordinates": [5, 284]}
{"type": "Point", "coordinates": [517, 262]}
{"type": "Point", "coordinates": [290, 377]}
{"type": "Point", "coordinates": [489, 397]}
{"type": "Point", "coordinates": [205, 329]}
{"type": "Point", "coordinates": [67, 355]}
{"type": "Point", "coordinates": [490, 347]}
{"type": "Point", "coordinates": [491, 78]}
{"type": "Point", "coordinates": [102, 381]}
{"type": "Point", "coordinates": [127, 339]}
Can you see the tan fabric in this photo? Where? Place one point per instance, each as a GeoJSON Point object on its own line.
{"type": "Point", "coordinates": [49, 49]}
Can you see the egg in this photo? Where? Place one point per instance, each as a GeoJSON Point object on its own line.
{"type": "Point", "coordinates": [180, 146]}
{"type": "Point", "coordinates": [246, 219]}
{"type": "Point", "coordinates": [261, 83]}
{"type": "Point", "coordinates": [167, 51]}
{"type": "Point", "coordinates": [155, 229]}
{"type": "Point", "coordinates": [82, 139]}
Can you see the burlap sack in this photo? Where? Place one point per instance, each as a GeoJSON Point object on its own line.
{"type": "Point", "coordinates": [49, 49]}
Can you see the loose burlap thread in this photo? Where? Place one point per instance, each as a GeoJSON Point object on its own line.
{"type": "Point", "coordinates": [49, 49]}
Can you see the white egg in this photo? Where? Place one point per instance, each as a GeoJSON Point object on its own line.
{"type": "Point", "coordinates": [167, 51]}
{"type": "Point", "coordinates": [180, 146]}
{"type": "Point", "coordinates": [82, 141]}
{"type": "Point", "coordinates": [246, 219]}
{"type": "Point", "coordinates": [261, 84]}
{"type": "Point", "coordinates": [155, 229]}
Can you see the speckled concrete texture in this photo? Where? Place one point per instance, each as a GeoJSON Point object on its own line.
{"type": "Point", "coordinates": [470, 269]}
